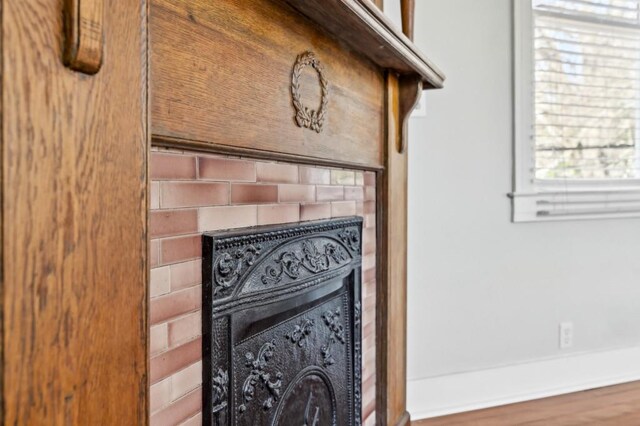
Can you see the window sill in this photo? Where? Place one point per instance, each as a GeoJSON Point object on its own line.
{"type": "Point", "coordinates": [551, 203]}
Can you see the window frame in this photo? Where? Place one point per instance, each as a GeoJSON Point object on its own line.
{"type": "Point", "coordinates": [566, 199]}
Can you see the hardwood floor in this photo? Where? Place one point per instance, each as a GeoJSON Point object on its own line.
{"type": "Point", "coordinates": [613, 405]}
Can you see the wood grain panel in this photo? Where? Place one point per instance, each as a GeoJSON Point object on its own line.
{"type": "Point", "coordinates": [222, 76]}
{"type": "Point", "coordinates": [392, 291]}
{"type": "Point", "coordinates": [74, 159]}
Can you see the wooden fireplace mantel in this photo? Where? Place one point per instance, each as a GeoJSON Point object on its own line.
{"type": "Point", "coordinates": [362, 26]}
{"type": "Point", "coordinates": [88, 86]}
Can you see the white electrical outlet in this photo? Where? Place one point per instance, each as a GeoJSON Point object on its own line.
{"type": "Point", "coordinates": [566, 335]}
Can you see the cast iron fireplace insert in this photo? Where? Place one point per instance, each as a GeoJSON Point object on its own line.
{"type": "Point", "coordinates": [282, 324]}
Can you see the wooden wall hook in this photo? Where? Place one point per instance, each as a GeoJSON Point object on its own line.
{"type": "Point", "coordinates": [84, 34]}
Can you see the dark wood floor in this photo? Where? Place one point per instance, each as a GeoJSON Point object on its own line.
{"type": "Point", "coordinates": [614, 405]}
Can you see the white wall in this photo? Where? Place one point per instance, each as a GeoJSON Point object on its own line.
{"type": "Point", "coordinates": [485, 293]}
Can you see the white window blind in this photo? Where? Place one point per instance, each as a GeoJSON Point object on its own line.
{"type": "Point", "coordinates": [587, 89]}
{"type": "Point", "coordinates": [577, 99]}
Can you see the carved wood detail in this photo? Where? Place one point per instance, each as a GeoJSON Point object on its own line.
{"type": "Point", "coordinates": [305, 117]}
{"type": "Point", "coordinates": [84, 34]}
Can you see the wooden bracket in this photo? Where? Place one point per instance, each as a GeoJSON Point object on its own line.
{"type": "Point", "coordinates": [410, 87]}
{"type": "Point", "coordinates": [84, 34]}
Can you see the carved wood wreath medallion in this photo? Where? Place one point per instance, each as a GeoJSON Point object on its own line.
{"type": "Point", "coordinates": [305, 117]}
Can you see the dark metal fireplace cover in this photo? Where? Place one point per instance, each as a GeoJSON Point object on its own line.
{"type": "Point", "coordinates": [281, 324]}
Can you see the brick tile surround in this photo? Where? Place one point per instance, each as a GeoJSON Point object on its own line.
{"type": "Point", "coordinates": [192, 193]}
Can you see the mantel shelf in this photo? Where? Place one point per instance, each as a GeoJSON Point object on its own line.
{"type": "Point", "coordinates": [364, 28]}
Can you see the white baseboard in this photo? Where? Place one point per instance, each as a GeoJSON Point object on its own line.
{"type": "Point", "coordinates": [438, 396]}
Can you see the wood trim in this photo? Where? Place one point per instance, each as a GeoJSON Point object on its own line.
{"type": "Point", "coordinates": [392, 273]}
{"type": "Point", "coordinates": [367, 30]}
{"type": "Point", "coordinates": [74, 242]}
{"type": "Point", "coordinates": [212, 148]}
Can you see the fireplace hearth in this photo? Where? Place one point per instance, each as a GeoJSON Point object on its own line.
{"type": "Point", "coordinates": [282, 324]}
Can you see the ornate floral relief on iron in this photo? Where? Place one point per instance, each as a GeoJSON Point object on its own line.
{"type": "Point", "coordinates": [259, 377]}
{"type": "Point", "coordinates": [286, 351]}
{"type": "Point", "coordinates": [351, 238]}
{"type": "Point", "coordinates": [336, 334]}
{"type": "Point", "coordinates": [305, 117]}
{"type": "Point", "coordinates": [220, 390]}
{"type": "Point", "coordinates": [357, 375]}
{"type": "Point", "coordinates": [230, 266]}
{"type": "Point", "coordinates": [310, 258]}
{"type": "Point", "coordinates": [301, 332]}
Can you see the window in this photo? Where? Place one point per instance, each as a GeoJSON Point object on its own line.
{"type": "Point", "coordinates": [577, 109]}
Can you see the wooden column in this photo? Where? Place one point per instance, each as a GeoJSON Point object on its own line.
{"type": "Point", "coordinates": [74, 172]}
{"type": "Point", "coordinates": [392, 273]}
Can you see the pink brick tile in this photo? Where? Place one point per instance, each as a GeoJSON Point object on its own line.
{"type": "Point", "coordinates": [154, 202]}
{"type": "Point", "coordinates": [186, 380]}
{"type": "Point", "coordinates": [217, 218]}
{"type": "Point", "coordinates": [276, 173]}
{"type": "Point", "coordinates": [369, 178]}
{"type": "Point", "coordinates": [227, 169]}
{"type": "Point", "coordinates": [355, 193]}
{"type": "Point", "coordinates": [193, 421]}
{"type": "Point", "coordinates": [329, 193]}
{"type": "Point", "coordinates": [360, 208]}
{"type": "Point", "coordinates": [172, 222]}
{"type": "Point", "coordinates": [369, 330]}
{"type": "Point", "coordinates": [249, 193]}
{"type": "Point", "coordinates": [181, 410]}
{"type": "Point", "coordinates": [368, 387]}
{"type": "Point", "coordinates": [315, 211]}
{"type": "Point", "coordinates": [343, 208]}
{"type": "Point", "coordinates": [366, 341]}
{"type": "Point", "coordinates": [158, 339]}
{"type": "Point", "coordinates": [370, 193]}
{"type": "Point", "coordinates": [369, 304]}
{"type": "Point", "coordinates": [359, 178]}
{"type": "Point", "coordinates": [159, 281]}
{"type": "Point", "coordinates": [184, 329]}
{"type": "Point", "coordinates": [369, 405]}
{"type": "Point", "coordinates": [369, 248]}
{"type": "Point", "coordinates": [154, 253]}
{"type": "Point", "coordinates": [159, 395]}
{"type": "Point", "coordinates": [369, 207]}
{"type": "Point", "coordinates": [342, 177]}
{"type": "Point", "coordinates": [173, 360]}
{"type": "Point", "coordinates": [370, 419]}
{"type": "Point", "coordinates": [368, 261]}
{"type": "Point", "coordinates": [174, 304]}
{"type": "Point", "coordinates": [368, 288]}
{"type": "Point", "coordinates": [368, 365]}
{"type": "Point", "coordinates": [315, 175]}
{"type": "Point", "coordinates": [368, 276]}
{"type": "Point", "coordinates": [193, 194]}
{"type": "Point", "coordinates": [293, 193]}
{"type": "Point", "coordinates": [368, 234]}
{"type": "Point", "coordinates": [278, 213]}
{"type": "Point", "coordinates": [186, 274]}
{"type": "Point", "coordinates": [172, 166]}
{"type": "Point", "coordinates": [180, 249]}
{"type": "Point", "coordinates": [369, 221]}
